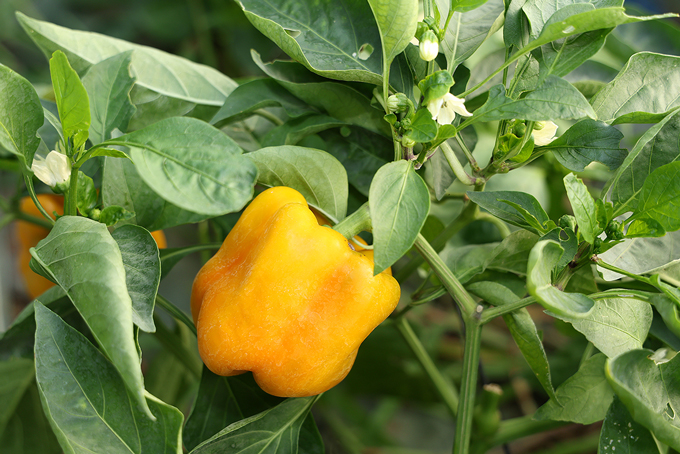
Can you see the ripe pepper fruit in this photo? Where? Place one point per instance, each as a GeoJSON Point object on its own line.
{"type": "Point", "coordinates": [287, 299]}
{"type": "Point", "coordinates": [29, 234]}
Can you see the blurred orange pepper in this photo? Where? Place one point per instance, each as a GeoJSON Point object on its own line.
{"type": "Point", "coordinates": [29, 234]}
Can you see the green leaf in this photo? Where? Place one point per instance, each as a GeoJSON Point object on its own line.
{"type": "Point", "coordinates": [258, 94]}
{"type": "Point", "coordinates": [361, 152]}
{"type": "Point", "coordinates": [296, 129]}
{"type": "Point", "coordinates": [657, 147]}
{"type": "Point", "coordinates": [86, 401]}
{"type": "Point", "coordinates": [567, 239]}
{"type": "Point", "coordinates": [399, 203]}
{"type": "Point", "coordinates": [108, 84]}
{"type": "Point", "coordinates": [28, 430]}
{"type": "Point", "coordinates": [82, 257]}
{"type": "Point", "coordinates": [468, 30]}
{"type": "Point", "coordinates": [513, 252]}
{"type": "Point", "coordinates": [650, 392]}
{"type": "Point", "coordinates": [17, 375]}
{"type": "Point", "coordinates": [191, 165]}
{"type": "Point", "coordinates": [112, 215]}
{"type": "Point", "coordinates": [648, 83]}
{"type": "Point", "coordinates": [338, 100]}
{"type": "Point", "coordinates": [466, 5]}
{"type": "Point", "coordinates": [332, 48]}
{"type": "Point", "coordinates": [555, 99]}
{"type": "Point", "coordinates": [542, 260]}
{"type": "Point", "coordinates": [423, 127]}
{"type": "Point", "coordinates": [588, 141]}
{"type": "Point", "coordinates": [615, 325]}
{"type": "Point", "coordinates": [641, 255]}
{"type": "Point", "coordinates": [397, 20]}
{"type": "Point", "coordinates": [319, 177]}
{"type": "Point", "coordinates": [142, 264]}
{"type": "Point", "coordinates": [660, 197]}
{"type": "Point", "coordinates": [467, 261]}
{"type": "Point", "coordinates": [123, 186]}
{"type": "Point", "coordinates": [503, 205]}
{"type": "Point", "coordinates": [164, 77]}
{"type": "Point", "coordinates": [276, 430]}
{"type": "Point", "coordinates": [583, 205]}
{"type": "Point", "coordinates": [86, 197]}
{"type": "Point", "coordinates": [21, 116]}
{"type": "Point", "coordinates": [620, 434]}
{"type": "Point", "coordinates": [668, 310]}
{"type": "Point", "coordinates": [222, 401]}
{"type": "Point", "coordinates": [583, 398]}
{"type": "Point", "coordinates": [645, 228]}
{"type": "Point", "coordinates": [72, 100]}
{"type": "Point", "coordinates": [522, 328]}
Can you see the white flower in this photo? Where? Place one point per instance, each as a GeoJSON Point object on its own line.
{"type": "Point", "coordinates": [429, 46]}
{"type": "Point", "coordinates": [53, 170]}
{"type": "Point", "coordinates": [545, 135]}
{"type": "Point", "coordinates": [444, 109]}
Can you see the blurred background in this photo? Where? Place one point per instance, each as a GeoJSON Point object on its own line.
{"type": "Point", "coordinates": [400, 406]}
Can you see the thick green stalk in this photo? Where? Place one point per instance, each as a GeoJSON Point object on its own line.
{"type": "Point", "coordinates": [468, 386]}
{"type": "Point", "coordinates": [514, 429]}
{"type": "Point", "coordinates": [456, 166]}
{"type": "Point", "coordinates": [356, 222]}
{"type": "Point", "coordinates": [451, 283]}
{"type": "Point", "coordinates": [71, 199]}
{"type": "Point", "coordinates": [445, 387]}
{"type": "Point", "coordinates": [176, 312]}
{"type": "Point", "coordinates": [493, 312]}
{"type": "Point", "coordinates": [31, 192]}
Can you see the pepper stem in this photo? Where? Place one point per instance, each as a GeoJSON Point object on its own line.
{"type": "Point", "coordinates": [359, 221]}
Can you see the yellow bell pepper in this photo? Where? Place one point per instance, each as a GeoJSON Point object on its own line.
{"type": "Point", "coordinates": [287, 299]}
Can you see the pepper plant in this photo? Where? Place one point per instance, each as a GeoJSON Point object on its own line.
{"type": "Point", "coordinates": [419, 130]}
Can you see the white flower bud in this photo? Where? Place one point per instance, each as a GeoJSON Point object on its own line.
{"type": "Point", "coordinates": [54, 170]}
{"type": "Point", "coordinates": [429, 46]}
{"type": "Point", "coordinates": [444, 109]}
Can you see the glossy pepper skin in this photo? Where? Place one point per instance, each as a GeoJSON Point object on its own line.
{"type": "Point", "coordinates": [287, 299]}
{"type": "Point", "coordinates": [30, 234]}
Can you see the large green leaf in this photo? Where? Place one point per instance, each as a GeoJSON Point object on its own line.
{"type": "Point", "coordinates": [108, 84]}
{"type": "Point", "coordinates": [584, 398]}
{"type": "Point", "coordinates": [467, 261]}
{"type": "Point", "coordinates": [317, 175]}
{"type": "Point", "coordinates": [399, 204]}
{"type": "Point", "coordinates": [659, 198]}
{"type": "Point", "coordinates": [555, 99]}
{"type": "Point", "coordinates": [397, 20]}
{"type": "Point", "coordinates": [540, 13]}
{"type": "Point", "coordinates": [17, 375]}
{"type": "Point", "coordinates": [83, 258]}
{"type": "Point", "coordinates": [339, 40]}
{"type": "Point", "coordinates": [516, 208]}
{"type": "Point", "coordinates": [157, 71]}
{"type": "Point", "coordinates": [649, 83]}
{"type": "Point", "coordinates": [123, 186]}
{"type": "Point", "coordinates": [542, 260]}
{"type": "Point", "coordinates": [468, 30]}
{"type": "Point", "coordinates": [615, 325]}
{"type": "Point", "coordinates": [642, 255]}
{"type": "Point", "coordinates": [583, 206]}
{"type": "Point", "coordinates": [622, 435]}
{"type": "Point", "coordinates": [191, 165]}
{"type": "Point", "coordinates": [522, 328]}
{"type": "Point", "coordinates": [296, 129]}
{"type": "Point", "coordinates": [21, 115]}
{"type": "Point", "coordinates": [512, 254]}
{"type": "Point", "coordinates": [341, 101]}
{"type": "Point", "coordinates": [588, 141]}
{"type": "Point", "coordinates": [142, 271]}
{"type": "Point", "coordinates": [72, 100]}
{"type": "Point", "coordinates": [650, 391]}
{"type": "Point", "coordinates": [276, 430]}
{"type": "Point", "coordinates": [87, 402]}
{"type": "Point", "coordinates": [257, 94]}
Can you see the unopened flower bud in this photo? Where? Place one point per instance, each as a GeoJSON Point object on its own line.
{"type": "Point", "coordinates": [398, 103]}
{"type": "Point", "coordinates": [429, 46]}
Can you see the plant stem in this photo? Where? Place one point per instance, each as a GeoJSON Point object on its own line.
{"type": "Point", "coordinates": [468, 386]}
{"type": "Point", "coordinates": [513, 429]}
{"type": "Point", "coordinates": [31, 192]}
{"type": "Point", "coordinates": [269, 116]}
{"type": "Point", "coordinates": [468, 154]}
{"type": "Point", "coordinates": [6, 219]}
{"type": "Point", "coordinates": [493, 312]}
{"type": "Point", "coordinates": [356, 222]}
{"type": "Point", "coordinates": [174, 345]}
{"type": "Point", "coordinates": [11, 165]}
{"type": "Point", "coordinates": [499, 224]}
{"type": "Point", "coordinates": [453, 286]}
{"type": "Point", "coordinates": [464, 218]}
{"type": "Point", "coordinates": [71, 199]}
{"type": "Point", "coordinates": [609, 267]}
{"type": "Point", "coordinates": [176, 312]}
{"type": "Point", "coordinates": [445, 387]}
{"type": "Point", "coordinates": [456, 166]}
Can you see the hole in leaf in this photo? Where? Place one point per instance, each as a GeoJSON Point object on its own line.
{"type": "Point", "coordinates": [292, 33]}
{"type": "Point", "coordinates": [669, 412]}
{"type": "Point", "coordinates": [365, 51]}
